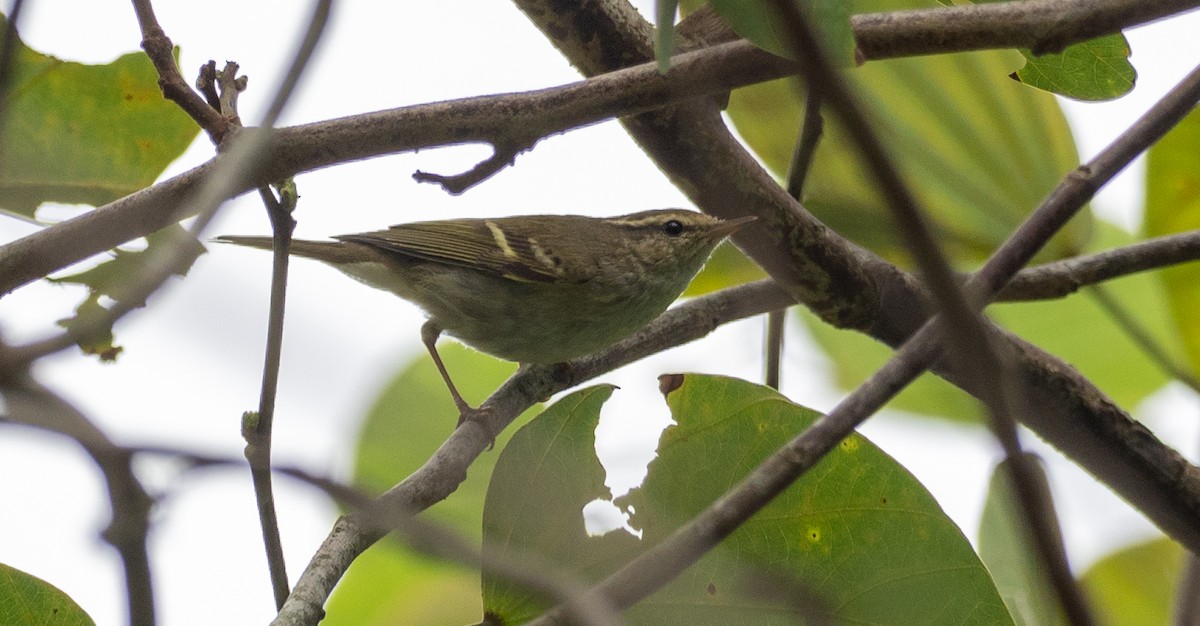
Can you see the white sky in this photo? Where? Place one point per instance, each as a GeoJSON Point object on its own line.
{"type": "Point", "coordinates": [193, 358]}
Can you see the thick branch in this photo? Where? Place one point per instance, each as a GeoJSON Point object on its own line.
{"type": "Point", "coordinates": [1043, 26]}
{"type": "Point", "coordinates": [488, 119]}
{"type": "Point", "coordinates": [692, 145]}
{"type": "Point", "coordinates": [305, 148]}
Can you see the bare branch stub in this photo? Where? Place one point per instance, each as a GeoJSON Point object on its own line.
{"type": "Point", "coordinates": [160, 50]}
{"type": "Point", "coordinates": [206, 84]}
{"type": "Point", "coordinates": [503, 155]}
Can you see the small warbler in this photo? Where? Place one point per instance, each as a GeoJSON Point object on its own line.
{"type": "Point", "coordinates": [531, 289]}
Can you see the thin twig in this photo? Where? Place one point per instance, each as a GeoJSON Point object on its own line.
{"type": "Point", "coordinates": [30, 403]}
{"type": "Point", "coordinates": [160, 50]}
{"type": "Point", "coordinates": [427, 538]}
{"type": "Point", "coordinates": [776, 321]}
{"type": "Point", "coordinates": [1141, 336]}
{"type": "Point", "coordinates": [1062, 278]}
{"type": "Point", "coordinates": [258, 437]}
{"type": "Point", "coordinates": [8, 57]}
{"type": "Point", "coordinates": [811, 129]}
{"type": "Point", "coordinates": [965, 332]}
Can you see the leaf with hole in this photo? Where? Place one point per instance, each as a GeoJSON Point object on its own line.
{"type": "Point", "coordinates": [857, 538]}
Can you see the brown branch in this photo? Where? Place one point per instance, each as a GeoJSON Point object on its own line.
{"type": "Point", "coordinates": [1062, 278]}
{"type": "Point", "coordinates": [841, 283]}
{"type": "Point", "coordinates": [503, 155]}
{"type": "Point", "coordinates": [160, 49]}
{"type": "Point", "coordinates": [30, 404]}
{"type": "Point", "coordinates": [1044, 26]}
{"type": "Point", "coordinates": [314, 146]}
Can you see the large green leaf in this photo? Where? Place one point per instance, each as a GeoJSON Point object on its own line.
{"type": "Point", "coordinates": [390, 584]}
{"type": "Point", "coordinates": [857, 537]}
{"type": "Point", "coordinates": [1136, 586]}
{"type": "Point", "coordinates": [979, 150]}
{"type": "Point", "coordinates": [85, 134]}
{"type": "Point", "coordinates": [1067, 328]}
{"type": "Point", "coordinates": [758, 21]}
{"type": "Point", "coordinates": [27, 600]}
{"type": "Point", "coordinates": [1006, 549]}
{"type": "Point", "coordinates": [1173, 206]}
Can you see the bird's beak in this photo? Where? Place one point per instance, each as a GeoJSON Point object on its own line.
{"type": "Point", "coordinates": [728, 227]}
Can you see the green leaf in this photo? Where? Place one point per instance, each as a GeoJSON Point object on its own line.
{"type": "Point", "coordinates": [1067, 327]}
{"type": "Point", "coordinates": [1006, 549]}
{"type": "Point", "coordinates": [758, 21]}
{"type": "Point", "coordinates": [85, 134]}
{"type": "Point", "coordinates": [1093, 70]}
{"type": "Point", "coordinates": [857, 534]}
{"type": "Point", "coordinates": [1173, 206]}
{"type": "Point", "coordinates": [664, 32]}
{"type": "Point", "coordinates": [390, 584]}
{"type": "Point", "coordinates": [113, 278]}
{"type": "Point", "coordinates": [26, 600]}
{"type": "Point", "coordinates": [1135, 586]}
{"type": "Point", "coordinates": [979, 151]}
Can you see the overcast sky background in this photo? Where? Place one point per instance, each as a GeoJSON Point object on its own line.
{"type": "Point", "coordinates": [192, 362]}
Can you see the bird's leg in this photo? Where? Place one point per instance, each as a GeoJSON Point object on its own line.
{"type": "Point", "coordinates": [429, 336]}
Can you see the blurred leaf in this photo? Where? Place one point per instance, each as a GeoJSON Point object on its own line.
{"type": "Point", "coordinates": [113, 278]}
{"type": "Point", "coordinates": [758, 21]}
{"type": "Point", "coordinates": [664, 32]}
{"type": "Point", "coordinates": [1173, 206]}
{"type": "Point", "coordinates": [26, 600]}
{"type": "Point", "coordinates": [1093, 70]}
{"type": "Point", "coordinates": [1136, 586]}
{"type": "Point", "coordinates": [85, 134]}
{"type": "Point", "coordinates": [390, 584]}
{"type": "Point", "coordinates": [978, 150]}
{"type": "Point", "coordinates": [726, 268]}
{"type": "Point", "coordinates": [89, 333]}
{"type": "Point", "coordinates": [856, 535]}
{"type": "Point", "coordinates": [1007, 550]}
{"type": "Point", "coordinates": [1067, 327]}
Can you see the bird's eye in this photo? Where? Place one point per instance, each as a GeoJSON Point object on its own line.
{"type": "Point", "coordinates": [673, 228]}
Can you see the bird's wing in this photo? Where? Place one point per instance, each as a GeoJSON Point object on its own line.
{"type": "Point", "coordinates": [476, 244]}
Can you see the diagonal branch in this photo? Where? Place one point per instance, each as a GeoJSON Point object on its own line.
{"type": "Point", "coordinates": [853, 289]}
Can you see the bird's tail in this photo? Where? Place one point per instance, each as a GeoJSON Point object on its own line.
{"type": "Point", "coordinates": [335, 252]}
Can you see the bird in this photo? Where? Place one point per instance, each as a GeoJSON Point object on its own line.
{"type": "Point", "coordinates": [531, 289]}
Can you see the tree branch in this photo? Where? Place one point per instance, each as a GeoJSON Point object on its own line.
{"type": "Point", "coordinates": [161, 52]}
{"type": "Point", "coordinates": [852, 289]}
{"type": "Point", "coordinates": [31, 404]}
{"type": "Point", "coordinates": [485, 119]}
{"type": "Point", "coordinates": [1062, 278]}
{"type": "Point", "coordinates": [1044, 26]}
{"type": "Point", "coordinates": [447, 467]}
